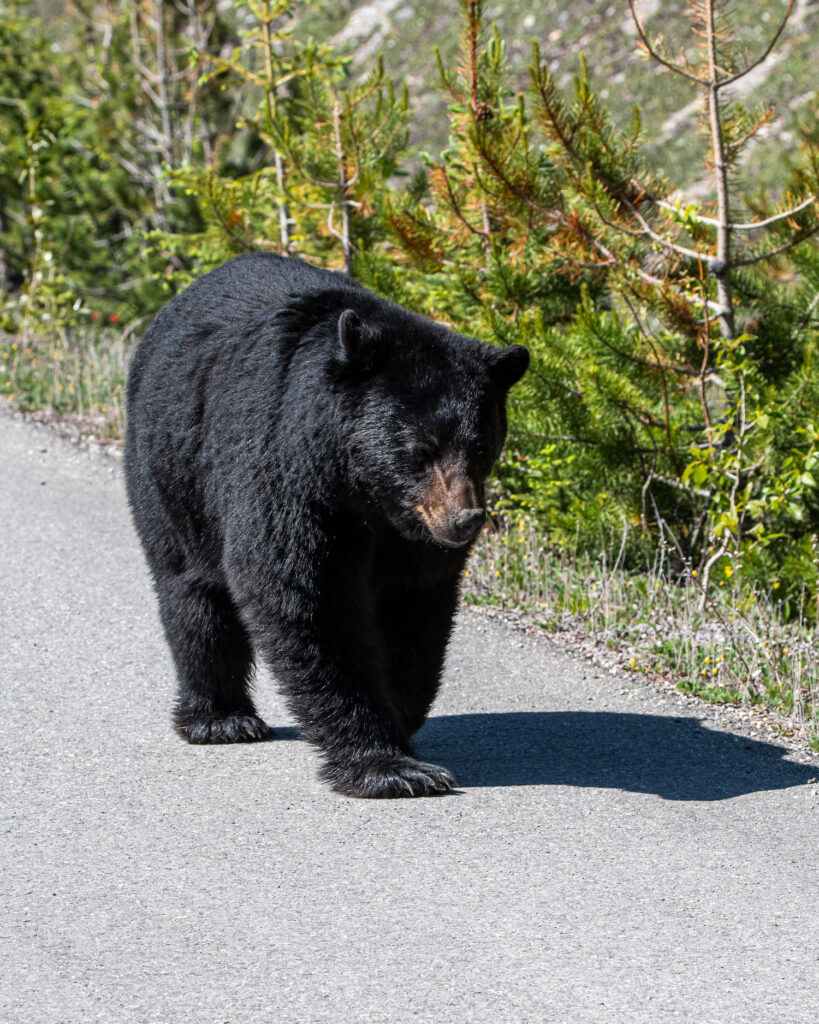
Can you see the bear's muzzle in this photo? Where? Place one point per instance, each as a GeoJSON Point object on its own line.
{"type": "Point", "coordinates": [451, 505]}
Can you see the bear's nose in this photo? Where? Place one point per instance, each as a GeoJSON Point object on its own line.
{"type": "Point", "coordinates": [468, 522]}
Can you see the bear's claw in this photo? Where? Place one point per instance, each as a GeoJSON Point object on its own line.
{"type": "Point", "coordinates": [230, 729]}
{"type": "Point", "coordinates": [389, 779]}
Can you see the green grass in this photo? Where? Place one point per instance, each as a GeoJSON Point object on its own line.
{"type": "Point", "coordinates": [713, 694]}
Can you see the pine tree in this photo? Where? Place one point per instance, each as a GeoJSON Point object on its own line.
{"type": "Point", "coordinates": [320, 150]}
{"type": "Point", "coordinates": [655, 324]}
{"type": "Point", "coordinates": [476, 224]}
{"type": "Point", "coordinates": [88, 132]}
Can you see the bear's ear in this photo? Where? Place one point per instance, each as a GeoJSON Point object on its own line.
{"type": "Point", "coordinates": [508, 365]}
{"type": "Point", "coordinates": [349, 334]}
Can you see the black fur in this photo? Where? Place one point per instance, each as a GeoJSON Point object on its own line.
{"type": "Point", "coordinates": [305, 465]}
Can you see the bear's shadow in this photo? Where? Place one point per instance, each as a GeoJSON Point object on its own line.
{"type": "Point", "coordinates": [674, 758]}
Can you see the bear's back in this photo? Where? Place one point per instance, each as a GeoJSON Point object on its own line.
{"type": "Point", "coordinates": [222, 302]}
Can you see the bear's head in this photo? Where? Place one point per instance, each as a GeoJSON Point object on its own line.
{"type": "Point", "coordinates": [425, 416]}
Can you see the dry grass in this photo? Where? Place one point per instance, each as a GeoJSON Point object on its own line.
{"type": "Point", "coordinates": [81, 374]}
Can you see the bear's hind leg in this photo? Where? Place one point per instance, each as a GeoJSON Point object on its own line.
{"type": "Point", "coordinates": [214, 663]}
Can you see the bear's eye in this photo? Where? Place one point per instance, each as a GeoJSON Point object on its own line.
{"type": "Point", "coordinates": [424, 451]}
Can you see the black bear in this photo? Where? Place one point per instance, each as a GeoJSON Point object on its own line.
{"type": "Point", "coordinates": [305, 464]}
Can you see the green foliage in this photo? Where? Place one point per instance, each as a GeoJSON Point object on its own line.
{"type": "Point", "coordinates": [85, 131]}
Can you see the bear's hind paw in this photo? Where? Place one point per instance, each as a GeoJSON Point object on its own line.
{"type": "Point", "coordinates": [390, 779]}
{"type": "Point", "coordinates": [230, 729]}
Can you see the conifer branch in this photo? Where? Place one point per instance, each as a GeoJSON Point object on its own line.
{"type": "Point", "coordinates": [445, 81]}
{"type": "Point", "coordinates": [806, 317]}
{"type": "Point", "coordinates": [457, 207]}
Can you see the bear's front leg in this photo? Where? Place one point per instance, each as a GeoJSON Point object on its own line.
{"type": "Point", "coordinates": [214, 662]}
{"type": "Point", "coordinates": [335, 698]}
{"type": "Point", "coordinates": [330, 678]}
{"type": "Point", "coordinates": [307, 596]}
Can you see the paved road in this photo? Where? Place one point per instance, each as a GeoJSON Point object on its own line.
{"type": "Point", "coordinates": [609, 858]}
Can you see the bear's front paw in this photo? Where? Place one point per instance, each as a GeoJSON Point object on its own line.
{"type": "Point", "coordinates": [388, 778]}
{"type": "Point", "coordinates": [229, 729]}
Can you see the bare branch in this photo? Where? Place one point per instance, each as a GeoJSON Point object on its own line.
{"type": "Point", "coordinates": [777, 216]}
{"type": "Point", "coordinates": [776, 252]}
{"type": "Point", "coordinates": [765, 55]}
{"type": "Point", "coordinates": [751, 226]}
{"type": "Point", "coordinates": [724, 297]}
{"type": "Point", "coordinates": [657, 282]}
{"type": "Point", "coordinates": [680, 250]}
{"type": "Point", "coordinates": [676, 68]}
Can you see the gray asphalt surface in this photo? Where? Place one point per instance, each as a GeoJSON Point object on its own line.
{"type": "Point", "coordinates": [609, 857]}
